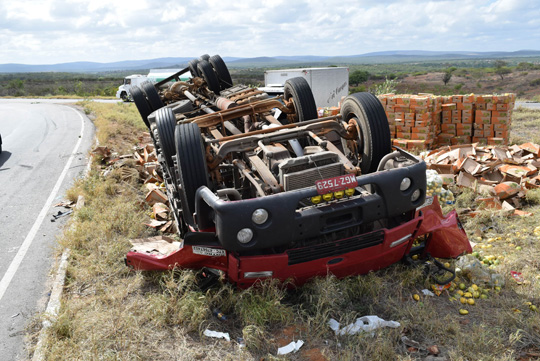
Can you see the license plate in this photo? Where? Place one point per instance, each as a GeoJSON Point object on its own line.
{"type": "Point", "coordinates": [335, 184]}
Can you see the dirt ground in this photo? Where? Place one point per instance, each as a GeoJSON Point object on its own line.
{"type": "Point", "coordinates": [526, 84]}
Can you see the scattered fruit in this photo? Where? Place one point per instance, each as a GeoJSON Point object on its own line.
{"type": "Point", "coordinates": [467, 295]}
{"type": "Point", "coordinates": [462, 286]}
{"type": "Point", "coordinates": [518, 248]}
{"type": "Point", "coordinates": [463, 312]}
{"type": "Point", "coordinates": [463, 300]}
{"type": "Point", "coordinates": [470, 301]}
{"type": "Point", "coordinates": [533, 308]}
{"type": "Point", "coordinates": [484, 296]}
{"type": "Point", "coordinates": [416, 297]}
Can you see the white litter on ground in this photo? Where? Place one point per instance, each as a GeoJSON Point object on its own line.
{"type": "Point", "coordinates": [427, 292]}
{"type": "Point", "coordinates": [362, 324]}
{"type": "Point", "coordinates": [292, 347]}
{"type": "Point", "coordinates": [217, 334]}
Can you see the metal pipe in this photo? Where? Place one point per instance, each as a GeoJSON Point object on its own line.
{"type": "Point", "coordinates": [194, 99]}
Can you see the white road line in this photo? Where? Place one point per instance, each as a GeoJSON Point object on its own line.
{"type": "Point", "coordinates": [17, 260]}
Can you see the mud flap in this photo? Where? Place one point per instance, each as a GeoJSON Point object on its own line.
{"type": "Point", "coordinates": [446, 236]}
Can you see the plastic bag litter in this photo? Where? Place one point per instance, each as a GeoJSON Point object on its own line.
{"type": "Point", "coordinates": [434, 184]}
{"type": "Point", "coordinates": [477, 273]}
{"type": "Point", "coordinates": [216, 334]}
{"type": "Point", "coordinates": [427, 292]}
{"type": "Point", "coordinates": [365, 324]}
{"type": "Point", "coordinates": [292, 347]}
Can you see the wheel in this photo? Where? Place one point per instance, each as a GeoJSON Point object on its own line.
{"type": "Point", "coordinates": [304, 104]}
{"type": "Point", "coordinates": [207, 72]}
{"type": "Point", "coordinates": [124, 97]}
{"type": "Point", "coordinates": [224, 77]}
{"type": "Point", "coordinates": [152, 95]}
{"type": "Point", "coordinates": [191, 163]}
{"type": "Point", "coordinates": [192, 65]}
{"type": "Point", "coordinates": [165, 124]}
{"type": "Point", "coordinates": [367, 114]}
{"type": "Point", "coordinates": [204, 57]}
{"type": "Point", "coordinates": [141, 103]}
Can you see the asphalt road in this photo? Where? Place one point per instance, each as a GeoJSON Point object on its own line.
{"type": "Point", "coordinates": [528, 105]}
{"type": "Point", "coordinates": [45, 148]}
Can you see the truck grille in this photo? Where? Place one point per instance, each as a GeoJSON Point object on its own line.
{"type": "Point", "coordinates": [302, 172]}
{"type": "Point", "coordinates": [336, 248]}
{"type": "Point", "coordinates": [307, 178]}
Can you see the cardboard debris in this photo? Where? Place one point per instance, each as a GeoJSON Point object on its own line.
{"type": "Point", "coordinates": [156, 196]}
{"type": "Point", "coordinates": [105, 152]}
{"type": "Point", "coordinates": [142, 165]}
{"type": "Point", "coordinates": [161, 245]}
{"type": "Point", "coordinates": [504, 173]}
{"type": "Point", "coordinates": [160, 211]}
{"type": "Point", "coordinates": [155, 223]}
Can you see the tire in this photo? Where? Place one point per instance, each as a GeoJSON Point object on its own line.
{"type": "Point", "coordinates": [224, 77]}
{"type": "Point", "coordinates": [304, 103]}
{"type": "Point", "coordinates": [152, 95]}
{"type": "Point", "coordinates": [372, 127]}
{"type": "Point", "coordinates": [141, 103]}
{"type": "Point", "coordinates": [192, 65]}
{"type": "Point", "coordinates": [165, 124]}
{"type": "Point", "coordinates": [204, 57]}
{"type": "Point", "coordinates": [208, 74]}
{"type": "Point", "coordinates": [124, 97]}
{"type": "Point", "coordinates": [191, 162]}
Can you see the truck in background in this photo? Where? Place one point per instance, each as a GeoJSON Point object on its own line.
{"type": "Point", "coordinates": [154, 76]}
{"type": "Point", "coordinates": [328, 85]}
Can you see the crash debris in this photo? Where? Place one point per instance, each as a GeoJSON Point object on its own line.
{"type": "Point", "coordinates": [501, 175]}
{"type": "Point", "coordinates": [142, 165]}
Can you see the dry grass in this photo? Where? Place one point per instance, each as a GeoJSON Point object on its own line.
{"type": "Point", "coordinates": [111, 313]}
{"type": "Point", "coordinates": [525, 123]}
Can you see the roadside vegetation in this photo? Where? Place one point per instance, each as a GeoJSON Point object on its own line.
{"type": "Point", "coordinates": [111, 313]}
{"type": "Point", "coordinates": [441, 76]}
{"type": "Point", "coordinates": [59, 84]}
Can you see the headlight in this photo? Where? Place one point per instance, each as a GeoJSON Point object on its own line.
{"type": "Point", "coordinates": [405, 184]}
{"type": "Point", "coordinates": [244, 235]}
{"type": "Point", "coordinates": [327, 197]}
{"type": "Point", "coordinates": [416, 194]}
{"type": "Point", "coordinates": [259, 216]}
{"type": "Point", "coordinates": [349, 192]}
{"type": "Point", "coordinates": [339, 194]}
{"type": "Point", "coordinates": [316, 199]}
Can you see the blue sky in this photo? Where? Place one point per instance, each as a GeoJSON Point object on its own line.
{"type": "Point", "coordinates": [52, 31]}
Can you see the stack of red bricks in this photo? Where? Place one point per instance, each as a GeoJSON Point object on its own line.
{"type": "Point", "coordinates": [426, 121]}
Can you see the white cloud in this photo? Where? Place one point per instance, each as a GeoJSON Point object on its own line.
{"type": "Point", "coordinates": [52, 31]}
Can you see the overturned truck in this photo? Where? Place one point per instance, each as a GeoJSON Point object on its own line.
{"type": "Point", "coordinates": [261, 187]}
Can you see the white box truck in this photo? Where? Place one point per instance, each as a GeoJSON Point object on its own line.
{"type": "Point", "coordinates": [327, 84]}
{"type": "Point", "coordinates": [155, 75]}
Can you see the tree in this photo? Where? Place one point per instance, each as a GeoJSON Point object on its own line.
{"type": "Point", "coordinates": [448, 75]}
{"type": "Point", "coordinates": [358, 76]}
{"type": "Point", "coordinates": [501, 69]}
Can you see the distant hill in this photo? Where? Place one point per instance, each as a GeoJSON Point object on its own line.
{"type": "Point", "coordinates": [382, 57]}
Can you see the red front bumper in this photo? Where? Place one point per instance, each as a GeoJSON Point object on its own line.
{"type": "Point", "coordinates": [345, 257]}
